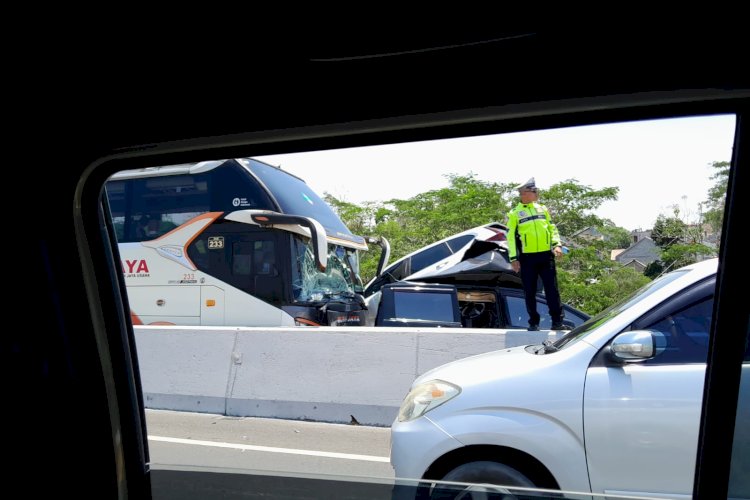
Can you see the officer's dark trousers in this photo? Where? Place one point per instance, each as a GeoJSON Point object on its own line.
{"type": "Point", "coordinates": [541, 264]}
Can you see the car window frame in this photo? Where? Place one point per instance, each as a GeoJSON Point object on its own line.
{"type": "Point", "coordinates": [114, 332]}
{"type": "Point", "coordinates": [729, 333]}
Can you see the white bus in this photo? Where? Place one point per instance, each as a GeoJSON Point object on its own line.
{"type": "Point", "coordinates": [233, 242]}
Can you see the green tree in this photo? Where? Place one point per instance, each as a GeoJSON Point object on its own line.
{"type": "Point", "coordinates": [591, 282]}
{"type": "Point", "coordinates": [681, 244]}
{"type": "Point", "coordinates": [654, 269]}
{"type": "Point", "coordinates": [467, 202]}
{"type": "Point", "coordinates": [668, 231]}
{"type": "Point", "coordinates": [680, 255]}
{"type": "Point", "coordinates": [614, 236]}
{"type": "Point", "coordinates": [717, 194]}
{"type": "Point", "coordinates": [360, 219]}
{"type": "Point", "coordinates": [357, 218]}
{"type": "Point", "coordinates": [431, 216]}
{"type": "Point", "coordinates": [570, 204]}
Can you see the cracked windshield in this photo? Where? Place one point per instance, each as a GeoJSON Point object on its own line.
{"type": "Point", "coordinates": [340, 279]}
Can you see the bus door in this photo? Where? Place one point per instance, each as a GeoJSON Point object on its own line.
{"type": "Point", "coordinates": [257, 268]}
{"type": "Point", "coordinates": [246, 258]}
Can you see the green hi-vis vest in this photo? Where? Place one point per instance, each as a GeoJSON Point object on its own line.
{"type": "Point", "coordinates": [532, 224]}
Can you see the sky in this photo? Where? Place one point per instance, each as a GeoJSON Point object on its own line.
{"type": "Point", "coordinates": [656, 164]}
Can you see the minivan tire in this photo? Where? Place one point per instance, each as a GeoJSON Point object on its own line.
{"type": "Point", "coordinates": [483, 472]}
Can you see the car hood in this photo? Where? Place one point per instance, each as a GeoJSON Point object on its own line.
{"type": "Point", "coordinates": [491, 268]}
{"type": "Point", "coordinates": [514, 361]}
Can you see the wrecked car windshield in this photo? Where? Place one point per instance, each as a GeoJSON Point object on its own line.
{"type": "Point", "coordinates": [341, 277]}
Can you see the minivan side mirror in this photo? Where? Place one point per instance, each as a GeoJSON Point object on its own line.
{"type": "Point", "coordinates": [637, 345]}
{"type": "Point", "coordinates": [385, 252]}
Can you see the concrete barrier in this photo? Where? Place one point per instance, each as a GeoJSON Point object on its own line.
{"type": "Point", "coordinates": [326, 374]}
{"type": "Point", "coordinates": [185, 368]}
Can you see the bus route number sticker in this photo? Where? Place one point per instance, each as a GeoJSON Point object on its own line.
{"type": "Point", "coordinates": [215, 242]}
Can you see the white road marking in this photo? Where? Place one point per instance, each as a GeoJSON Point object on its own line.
{"type": "Point", "coordinates": [269, 449]}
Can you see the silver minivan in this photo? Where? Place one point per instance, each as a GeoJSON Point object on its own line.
{"type": "Point", "coordinates": [612, 407]}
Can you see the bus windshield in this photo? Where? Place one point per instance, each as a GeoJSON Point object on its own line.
{"type": "Point", "coordinates": [294, 196]}
{"type": "Point", "coordinates": [340, 279]}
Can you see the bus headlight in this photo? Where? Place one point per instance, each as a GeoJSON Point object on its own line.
{"type": "Point", "coordinates": [426, 397]}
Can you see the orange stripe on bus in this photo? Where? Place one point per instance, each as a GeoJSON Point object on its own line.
{"type": "Point", "coordinates": [207, 215]}
{"type": "Point", "coordinates": [134, 319]}
{"type": "Point", "coordinates": [306, 321]}
{"type": "Point", "coordinates": [210, 215]}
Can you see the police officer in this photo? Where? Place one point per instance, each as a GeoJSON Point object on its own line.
{"type": "Point", "coordinates": [533, 244]}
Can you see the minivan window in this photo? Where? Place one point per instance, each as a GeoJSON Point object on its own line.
{"type": "Point", "coordinates": [457, 244]}
{"type": "Point", "coordinates": [429, 256]}
{"type": "Point", "coordinates": [612, 311]}
{"type": "Point", "coordinates": [686, 333]}
{"type": "Point", "coordinates": [518, 316]}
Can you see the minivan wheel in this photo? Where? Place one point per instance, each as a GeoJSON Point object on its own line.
{"type": "Point", "coordinates": [478, 473]}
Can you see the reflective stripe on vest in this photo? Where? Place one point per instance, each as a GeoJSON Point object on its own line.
{"type": "Point", "coordinates": [530, 218]}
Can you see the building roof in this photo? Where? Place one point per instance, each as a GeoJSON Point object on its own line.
{"type": "Point", "coordinates": [645, 251]}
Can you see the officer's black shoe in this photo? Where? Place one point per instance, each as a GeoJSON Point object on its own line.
{"type": "Point", "coordinates": [560, 326]}
{"type": "Point", "coordinates": [533, 328]}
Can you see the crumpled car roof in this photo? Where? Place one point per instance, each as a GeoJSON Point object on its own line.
{"type": "Point", "coordinates": [483, 264]}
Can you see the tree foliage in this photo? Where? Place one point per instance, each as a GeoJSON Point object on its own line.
{"type": "Point", "coordinates": [614, 236]}
{"type": "Point", "coordinates": [467, 202]}
{"type": "Point", "coordinates": [593, 295]}
{"type": "Point", "coordinates": [668, 231]}
{"type": "Point", "coordinates": [591, 282]}
{"type": "Point", "coordinates": [681, 255]}
{"type": "Point", "coordinates": [357, 218]}
{"type": "Point", "coordinates": [717, 194]}
{"type": "Point", "coordinates": [571, 204]}
{"type": "Point", "coordinates": [588, 279]}
{"type": "Point", "coordinates": [427, 217]}
{"type": "Point", "coordinates": [681, 244]}
{"type": "Point", "coordinates": [654, 269]}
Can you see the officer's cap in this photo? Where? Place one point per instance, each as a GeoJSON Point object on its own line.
{"type": "Point", "coordinates": [529, 185]}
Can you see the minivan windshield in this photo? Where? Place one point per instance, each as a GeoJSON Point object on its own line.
{"type": "Point", "coordinates": [612, 311]}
